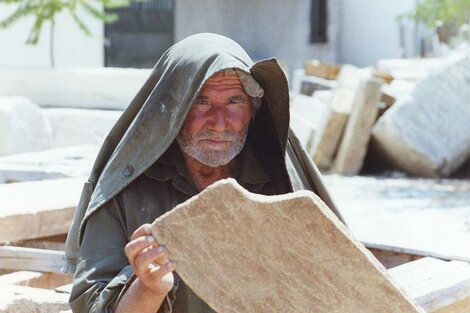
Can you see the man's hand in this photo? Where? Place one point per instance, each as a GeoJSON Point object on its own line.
{"type": "Point", "coordinates": [150, 262]}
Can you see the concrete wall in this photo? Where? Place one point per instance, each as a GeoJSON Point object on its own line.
{"type": "Point", "coordinates": [265, 28]}
{"type": "Point", "coordinates": [72, 47]}
{"type": "Point", "coordinates": [369, 31]}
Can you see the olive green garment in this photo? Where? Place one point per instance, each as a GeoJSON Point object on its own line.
{"type": "Point", "coordinates": [103, 272]}
{"type": "Point", "coordinates": [153, 119]}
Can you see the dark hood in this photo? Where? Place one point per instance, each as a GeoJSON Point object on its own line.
{"type": "Point", "coordinates": [153, 119]}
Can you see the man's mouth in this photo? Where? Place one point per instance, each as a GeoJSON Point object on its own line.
{"type": "Point", "coordinates": [216, 141]}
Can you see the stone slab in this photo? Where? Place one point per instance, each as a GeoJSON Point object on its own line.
{"type": "Point", "coordinates": [308, 115]}
{"type": "Point", "coordinates": [427, 133]}
{"type": "Point", "coordinates": [353, 147]}
{"type": "Point", "coordinates": [90, 88]}
{"type": "Point", "coordinates": [37, 209]}
{"type": "Point", "coordinates": [243, 252]}
{"type": "Point", "coordinates": [308, 85]}
{"type": "Point", "coordinates": [304, 129]}
{"type": "Point", "coordinates": [428, 217]}
{"type": "Point", "coordinates": [48, 164]}
{"type": "Point", "coordinates": [19, 299]}
{"type": "Point", "coordinates": [329, 139]}
{"type": "Point", "coordinates": [341, 105]}
{"type": "Point", "coordinates": [75, 127]}
{"type": "Point", "coordinates": [22, 126]}
{"type": "Point", "coordinates": [413, 69]}
{"type": "Point", "coordinates": [436, 285]}
{"type": "Point", "coordinates": [311, 108]}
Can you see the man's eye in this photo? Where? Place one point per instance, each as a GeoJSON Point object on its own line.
{"type": "Point", "coordinates": [236, 100]}
{"type": "Point", "coordinates": [201, 101]}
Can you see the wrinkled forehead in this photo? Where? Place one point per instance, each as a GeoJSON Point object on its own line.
{"type": "Point", "coordinates": [234, 78]}
{"type": "Point", "coordinates": [223, 79]}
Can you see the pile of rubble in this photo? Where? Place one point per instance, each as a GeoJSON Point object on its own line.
{"type": "Point", "coordinates": [414, 114]}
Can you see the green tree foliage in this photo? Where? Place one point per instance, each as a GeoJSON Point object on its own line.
{"type": "Point", "coordinates": [46, 11]}
{"type": "Point", "coordinates": [435, 13]}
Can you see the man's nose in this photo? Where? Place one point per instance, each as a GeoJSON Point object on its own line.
{"type": "Point", "coordinates": [219, 123]}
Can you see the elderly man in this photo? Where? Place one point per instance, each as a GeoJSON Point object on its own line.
{"type": "Point", "coordinates": [205, 113]}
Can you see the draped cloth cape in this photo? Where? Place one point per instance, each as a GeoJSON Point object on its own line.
{"type": "Point", "coordinates": [154, 117]}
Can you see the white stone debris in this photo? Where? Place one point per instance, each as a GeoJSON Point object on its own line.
{"type": "Point", "coordinates": [23, 128]}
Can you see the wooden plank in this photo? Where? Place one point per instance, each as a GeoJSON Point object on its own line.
{"type": "Point", "coordinates": [436, 285]}
{"type": "Point", "coordinates": [390, 258]}
{"type": "Point", "coordinates": [36, 279]}
{"type": "Point", "coordinates": [322, 69]}
{"type": "Point", "coordinates": [341, 105]}
{"type": "Point", "coordinates": [41, 260]}
{"type": "Point", "coordinates": [37, 209]}
{"type": "Point", "coordinates": [329, 139]}
{"type": "Point", "coordinates": [415, 253]}
{"type": "Point", "coordinates": [353, 147]}
{"type": "Point", "coordinates": [18, 278]}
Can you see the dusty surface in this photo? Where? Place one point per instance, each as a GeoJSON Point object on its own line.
{"type": "Point", "coordinates": [19, 299]}
{"type": "Point", "coordinates": [429, 215]}
{"type": "Point", "coordinates": [48, 164]}
{"type": "Point", "coordinates": [243, 252]}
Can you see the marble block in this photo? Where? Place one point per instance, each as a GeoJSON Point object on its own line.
{"type": "Point", "coordinates": [22, 126]}
{"type": "Point", "coordinates": [74, 127]}
{"type": "Point", "coordinates": [243, 252]}
{"type": "Point", "coordinates": [48, 164]}
{"type": "Point", "coordinates": [427, 133]}
{"type": "Point", "coordinates": [87, 88]}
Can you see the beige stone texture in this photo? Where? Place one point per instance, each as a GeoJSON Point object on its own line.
{"type": "Point", "coordinates": [353, 148]}
{"type": "Point", "coordinates": [19, 299]}
{"type": "Point", "coordinates": [243, 252]}
{"type": "Point", "coordinates": [330, 139]}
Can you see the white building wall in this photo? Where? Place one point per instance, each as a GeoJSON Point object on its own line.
{"type": "Point", "coordinates": [328, 52]}
{"type": "Point", "coordinates": [72, 47]}
{"type": "Point", "coordinates": [360, 32]}
{"type": "Point", "coordinates": [265, 28]}
{"type": "Point", "coordinates": [369, 31]}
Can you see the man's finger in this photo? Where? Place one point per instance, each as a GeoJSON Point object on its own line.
{"type": "Point", "coordinates": [158, 273]}
{"type": "Point", "coordinates": [143, 230]}
{"type": "Point", "coordinates": [143, 260]}
{"type": "Point", "coordinates": [134, 247]}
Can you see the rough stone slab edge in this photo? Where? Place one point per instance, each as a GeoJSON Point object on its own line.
{"type": "Point", "coordinates": [293, 195]}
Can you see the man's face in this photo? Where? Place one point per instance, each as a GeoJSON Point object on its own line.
{"type": "Point", "coordinates": [215, 129]}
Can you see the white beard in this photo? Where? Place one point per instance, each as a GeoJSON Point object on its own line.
{"type": "Point", "coordinates": [190, 145]}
